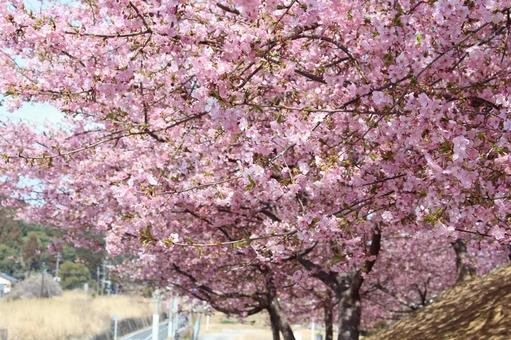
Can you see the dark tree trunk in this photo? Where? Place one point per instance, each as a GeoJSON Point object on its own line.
{"type": "Point", "coordinates": [350, 305]}
{"type": "Point", "coordinates": [277, 316]}
{"type": "Point", "coordinates": [274, 327]}
{"type": "Point", "coordinates": [465, 270]}
{"type": "Point", "coordinates": [350, 310]}
{"type": "Point", "coordinates": [329, 318]}
{"type": "Point", "coordinates": [346, 287]}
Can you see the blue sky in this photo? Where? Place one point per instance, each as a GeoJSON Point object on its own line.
{"type": "Point", "coordinates": [38, 114]}
{"type": "Point", "coordinates": [36, 5]}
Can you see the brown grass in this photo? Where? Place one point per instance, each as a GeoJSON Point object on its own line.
{"type": "Point", "coordinates": [77, 316]}
{"type": "Point", "coordinates": [477, 309]}
{"type": "Point", "coordinates": [73, 315]}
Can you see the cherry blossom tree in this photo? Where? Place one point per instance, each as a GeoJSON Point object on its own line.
{"type": "Point", "coordinates": [295, 131]}
{"type": "Point", "coordinates": [232, 281]}
{"type": "Point", "coordinates": [411, 273]}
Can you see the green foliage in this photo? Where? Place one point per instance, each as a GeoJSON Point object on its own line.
{"type": "Point", "coordinates": [11, 231]}
{"type": "Point", "coordinates": [435, 216]}
{"type": "Point", "coordinates": [24, 248]}
{"type": "Point", "coordinates": [8, 256]}
{"type": "Point", "coordinates": [74, 275]}
{"type": "Point", "coordinates": [32, 252]}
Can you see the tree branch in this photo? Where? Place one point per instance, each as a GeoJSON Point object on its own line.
{"type": "Point", "coordinates": [311, 76]}
{"type": "Point", "coordinates": [227, 8]}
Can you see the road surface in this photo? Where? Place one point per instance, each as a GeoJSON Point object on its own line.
{"type": "Point", "coordinates": [146, 333]}
{"type": "Point", "coordinates": [225, 334]}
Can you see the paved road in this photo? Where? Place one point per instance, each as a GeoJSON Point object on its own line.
{"type": "Point", "coordinates": [147, 333]}
{"type": "Point", "coordinates": [226, 334]}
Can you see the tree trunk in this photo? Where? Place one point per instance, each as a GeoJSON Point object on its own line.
{"type": "Point", "coordinates": [279, 319]}
{"type": "Point", "coordinates": [350, 310]}
{"type": "Point", "coordinates": [274, 327]}
{"type": "Point", "coordinates": [350, 306]}
{"type": "Point", "coordinates": [329, 319]}
{"type": "Point", "coordinates": [464, 268]}
{"type": "Point", "coordinates": [346, 287]}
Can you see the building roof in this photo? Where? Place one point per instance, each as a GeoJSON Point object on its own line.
{"type": "Point", "coordinates": [8, 277]}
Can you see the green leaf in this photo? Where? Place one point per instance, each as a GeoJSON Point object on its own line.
{"type": "Point", "coordinates": [251, 185]}
{"type": "Point", "coordinates": [446, 147]}
{"type": "Point", "coordinates": [418, 36]}
{"type": "Point", "coordinates": [434, 216]}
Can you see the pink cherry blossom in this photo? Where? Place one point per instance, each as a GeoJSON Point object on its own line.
{"type": "Point", "coordinates": [208, 140]}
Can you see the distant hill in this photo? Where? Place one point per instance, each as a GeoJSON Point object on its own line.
{"type": "Point", "coordinates": [24, 249]}
{"type": "Point", "coordinates": [476, 309]}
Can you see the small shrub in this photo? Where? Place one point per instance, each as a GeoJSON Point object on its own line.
{"type": "Point", "coordinates": [74, 275]}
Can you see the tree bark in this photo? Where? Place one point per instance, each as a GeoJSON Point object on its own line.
{"type": "Point", "coordinates": [281, 322]}
{"type": "Point", "coordinates": [346, 287]}
{"type": "Point", "coordinates": [465, 270]}
{"type": "Point", "coordinates": [350, 305]}
{"type": "Point", "coordinates": [274, 327]}
{"type": "Point", "coordinates": [329, 318]}
{"type": "Point", "coordinates": [350, 309]}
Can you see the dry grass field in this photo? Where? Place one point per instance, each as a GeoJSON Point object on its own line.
{"type": "Point", "coordinates": [74, 315]}
{"type": "Point", "coordinates": [77, 316]}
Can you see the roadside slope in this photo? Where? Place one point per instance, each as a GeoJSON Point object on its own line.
{"type": "Point", "coordinates": [476, 309]}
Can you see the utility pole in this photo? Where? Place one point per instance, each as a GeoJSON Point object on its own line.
{"type": "Point", "coordinates": [115, 319]}
{"type": "Point", "coordinates": [313, 332]}
{"type": "Point", "coordinates": [106, 283]}
{"type": "Point", "coordinates": [156, 314]}
{"type": "Point", "coordinates": [170, 326]}
{"type": "Point", "coordinates": [43, 271]}
{"type": "Point", "coordinates": [57, 267]}
{"type": "Point", "coordinates": [207, 312]}
{"type": "Point", "coordinates": [196, 327]}
{"type": "Point", "coordinates": [173, 318]}
{"type": "Point", "coordinates": [103, 276]}
{"type": "Point", "coordinates": [97, 279]}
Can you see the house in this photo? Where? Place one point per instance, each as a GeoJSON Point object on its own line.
{"type": "Point", "coordinates": [6, 283]}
